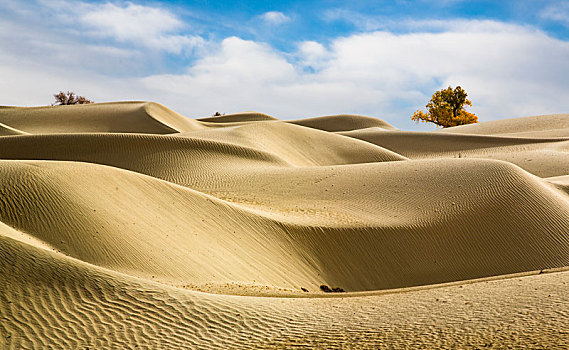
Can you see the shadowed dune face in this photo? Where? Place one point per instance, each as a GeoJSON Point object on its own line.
{"type": "Point", "coordinates": [281, 204]}
{"type": "Point", "coordinates": [246, 204]}
{"type": "Point", "coordinates": [49, 300]}
{"type": "Point", "coordinates": [360, 227]}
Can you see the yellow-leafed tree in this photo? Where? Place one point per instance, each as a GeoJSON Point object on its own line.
{"type": "Point", "coordinates": [446, 108]}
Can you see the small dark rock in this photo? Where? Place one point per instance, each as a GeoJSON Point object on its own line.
{"type": "Point", "coordinates": [304, 289]}
{"type": "Point", "coordinates": [327, 289]}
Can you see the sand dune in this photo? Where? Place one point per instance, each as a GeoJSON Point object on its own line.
{"type": "Point", "coordinates": [238, 118]}
{"type": "Point", "coordinates": [561, 182]}
{"type": "Point", "coordinates": [50, 300]}
{"type": "Point", "coordinates": [343, 122]}
{"type": "Point", "coordinates": [6, 130]}
{"type": "Point", "coordinates": [116, 218]}
{"type": "Point", "coordinates": [298, 146]}
{"type": "Point", "coordinates": [544, 157]}
{"type": "Point", "coordinates": [554, 125]}
{"type": "Point", "coordinates": [131, 117]}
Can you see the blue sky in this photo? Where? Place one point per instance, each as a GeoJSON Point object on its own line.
{"type": "Point", "coordinates": [290, 59]}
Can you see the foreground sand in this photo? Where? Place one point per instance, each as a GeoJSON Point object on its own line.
{"type": "Point", "coordinates": [128, 224]}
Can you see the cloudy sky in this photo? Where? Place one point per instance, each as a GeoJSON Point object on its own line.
{"type": "Point", "coordinates": [290, 59]}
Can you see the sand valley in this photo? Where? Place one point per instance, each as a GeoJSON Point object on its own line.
{"type": "Point", "coordinates": [127, 224]}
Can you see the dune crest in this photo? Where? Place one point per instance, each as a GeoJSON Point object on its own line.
{"type": "Point", "coordinates": [343, 122]}
{"type": "Point", "coordinates": [122, 214]}
{"type": "Point", "coordinates": [238, 118]}
{"type": "Point", "coordinates": [113, 117]}
{"type": "Point", "coordinates": [541, 126]}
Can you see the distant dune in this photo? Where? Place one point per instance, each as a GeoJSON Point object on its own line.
{"type": "Point", "coordinates": [125, 224]}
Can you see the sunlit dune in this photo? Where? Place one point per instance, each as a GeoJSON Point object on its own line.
{"type": "Point", "coordinates": [127, 224]}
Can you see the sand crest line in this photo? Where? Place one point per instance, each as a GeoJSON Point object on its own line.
{"type": "Point", "coordinates": [204, 232]}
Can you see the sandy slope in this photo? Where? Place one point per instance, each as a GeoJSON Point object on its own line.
{"type": "Point", "coordinates": [544, 157]}
{"type": "Point", "coordinates": [343, 122]}
{"type": "Point", "coordinates": [541, 126]}
{"type": "Point", "coordinates": [114, 216]}
{"type": "Point", "coordinates": [237, 118]}
{"type": "Point", "coordinates": [131, 117]}
{"type": "Point", "coordinates": [50, 300]}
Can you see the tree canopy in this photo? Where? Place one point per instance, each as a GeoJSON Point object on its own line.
{"type": "Point", "coordinates": [446, 108]}
{"type": "Point", "coordinates": [70, 98]}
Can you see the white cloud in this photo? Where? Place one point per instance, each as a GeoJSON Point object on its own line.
{"type": "Point", "coordinates": [275, 17]}
{"type": "Point", "coordinates": [557, 12]}
{"type": "Point", "coordinates": [139, 25]}
{"type": "Point", "coordinates": [508, 70]}
{"type": "Point", "coordinates": [238, 72]}
{"type": "Point", "coordinates": [131, 22]}
{"type": "Point", "coordinates": [27, 42]}
{"type": "Point", "coordinates": [312, 54]}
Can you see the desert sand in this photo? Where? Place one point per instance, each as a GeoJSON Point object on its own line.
{"type": "Point", "coordinates": [127, 224]}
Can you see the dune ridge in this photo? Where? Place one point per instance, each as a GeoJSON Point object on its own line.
{"type": "Point", "coordinates": [237, 118]}
{"type": "Point", "coordinates": [106, 222]}
{"type": "Point", "coordinates": [343, 122]}
{"type": "Point", "coordinates": [552, 125]}
{"type": "Point", "coordinates": [112, 117]}
{"type": "Point", "coordinates": [541, 156]}
{"type": "Point", "coordinates": [113, 218]}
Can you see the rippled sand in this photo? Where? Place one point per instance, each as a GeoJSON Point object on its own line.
{"type": "Point", "coordinates": [126, 224]}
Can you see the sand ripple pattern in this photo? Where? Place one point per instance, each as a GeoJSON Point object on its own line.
{"type": "Point", "coordinates": [116, 219]}
{"type": "Point", "coordinates": [66, 304]}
